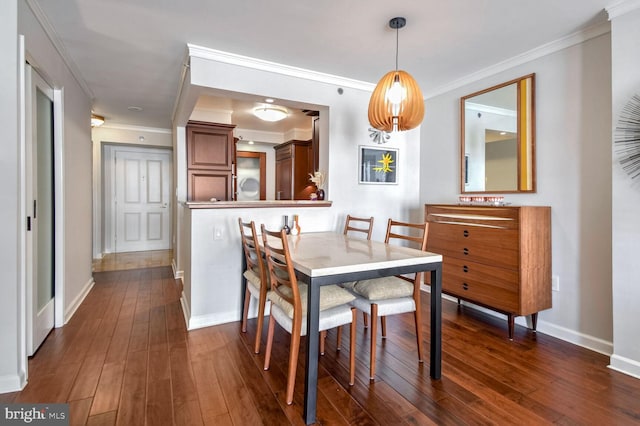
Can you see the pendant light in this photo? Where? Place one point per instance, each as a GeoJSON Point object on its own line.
{"type": "Point", "coordinates": [396, 103]}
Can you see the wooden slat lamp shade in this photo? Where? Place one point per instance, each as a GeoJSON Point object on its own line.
{"type": "Point", "coordinates": [406, 114]}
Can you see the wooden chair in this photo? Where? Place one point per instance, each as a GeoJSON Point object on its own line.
{"type": "Point", "coordinates": [351, 221]}
{"type": "Point", "coordinates": [392, 295]}
{"type": "Point", "coordinates": [289, 302]}
{"type": "Point", "coordinates": [350, 228]}
{"type": "Point", "coordinates": [256, 276]}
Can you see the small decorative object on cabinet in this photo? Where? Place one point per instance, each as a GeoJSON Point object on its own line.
{"type": "Point", "coordinates": [209, 161]}
{"type": "Point", "coordinates": [285, 227]}
{"type": "Point", "coordinates": [318, 178]}
{"type": "Point", "coordinates": [294, 162]}
{"type": "Point", "coordinates": [295, 229]}
{"type": "Point", "coordinates": [496, 257]}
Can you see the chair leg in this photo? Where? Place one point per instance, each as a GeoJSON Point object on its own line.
{"type": "Point", "coordinates": [339, 338]}
{"type": "Point", "coordinates": [323, 337]}
{"type": "Point", "coordinates": [418, 319]}
{"type": "Point", "coordinates": [383, 323]}
{"type": "Point", "coordinates": [245, 310]}
{"type": "Point", "coordinates": [261, 304]}
{"type": "Point", "coordinates": [293, 364]}
{"type": "Point", "coordinates": [267, 355]}
{"type": "Point", "coordinates": [365, 319]}
{"type": "Point", "coordinates": [352, 348]}
{"type": "Point", "coordinates": [374, 332]}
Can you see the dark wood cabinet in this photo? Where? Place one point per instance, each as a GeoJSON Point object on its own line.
{"type": "Point", "coordinates": [497, 257]}
{"type": "Point", "coordinates": [294, 162]}
{"type": "Point", "coordinates": [210, 152]}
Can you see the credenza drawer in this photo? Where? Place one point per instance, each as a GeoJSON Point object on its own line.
{"type": "Point", "coordinates": [486, 285]}
{"type": "Point", "coordinates": [498, 247]}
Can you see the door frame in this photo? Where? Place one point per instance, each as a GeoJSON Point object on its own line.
{"type": "Point", "coordinates": [58, 188]}
{"type": "Point", "coordinates": [107, 183]}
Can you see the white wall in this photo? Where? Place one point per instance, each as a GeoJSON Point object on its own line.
{"type": "Point", "coordinates": [625, 49]}
{"type": "Point", "coordinates": [76, 159]}
{"type": "Point", "coordinates": [573, 134]}
{"type": "Point", "coordinates": [75, 273]}
{"type": "Point", "coordinates": [344, 127]}
{"type": "Point", "coordinates": [12, 356]}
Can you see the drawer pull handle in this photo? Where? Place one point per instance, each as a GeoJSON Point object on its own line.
{"type": "Point", "coordinates": [465, 251]}
{"type": "Point", "coordinates": [465, 233]}
{"type": "Point", "coordinates": [465, 286]}
{"type": "Point", "coordinates": [465, 268]}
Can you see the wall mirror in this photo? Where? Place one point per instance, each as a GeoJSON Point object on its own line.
{"type": "Point", "coordinates": [498, 138]}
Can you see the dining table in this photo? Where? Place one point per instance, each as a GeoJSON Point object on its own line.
{"type": "Point", "coordinates": [324, 258]}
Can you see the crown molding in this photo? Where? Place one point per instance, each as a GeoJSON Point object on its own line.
{"type": "Point", "coordinates": [117, 126]}
{"type": "Point", "coordinates": [262, 65]}
{"type": "Point", "coordinates": [490, 109]}
{"type": "Point", "coordinates": [622, 7]}
{"type": "Point", "coordinates": [535, 53]}
{"type": "Point", "coordinates": [59, 46]}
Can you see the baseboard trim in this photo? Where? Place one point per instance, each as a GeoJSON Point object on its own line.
{"type": "Point", "coordinates": [202, 321]}
{"type": "Point", "coordinates": [212, 319]}
{"type": "Point", "coordinates": [178, 275]}
{"type": "Point", "coordinates": [625, 365]}
{"type": "Point", "coordinates": [13, 382]}
{"type": "Point", "coordinates": [186, 311]}
{"type": "Point", "coordinates": [73, 307]}
{"type": "Point", "coordinates": [571, 336]}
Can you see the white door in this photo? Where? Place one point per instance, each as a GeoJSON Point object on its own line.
{"type": "Point", "coordinates": [142, 200]}
{"type": "Point", "coordinates": [40, 210]}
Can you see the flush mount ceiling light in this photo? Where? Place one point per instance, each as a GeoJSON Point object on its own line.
{"type": "Point", "coordinates": [96, 120]}
{"type": "Point", "coordinates": [396, 103]}
{"type": "Point", "coordinates": [270, 112]}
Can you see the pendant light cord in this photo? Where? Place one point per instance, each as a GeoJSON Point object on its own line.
{"type": "Point", "coordinates": [397, 44]}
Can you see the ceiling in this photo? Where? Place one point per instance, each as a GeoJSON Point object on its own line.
{"type": "Point", "coordinates": [130, 53]}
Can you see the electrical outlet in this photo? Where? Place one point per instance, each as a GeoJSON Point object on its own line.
{"type": "Point", "coordinates": [555, 283]}
{"type": "Point", "coordinates": [218, 233]}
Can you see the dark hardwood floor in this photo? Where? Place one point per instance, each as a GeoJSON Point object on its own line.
{"type": "Point", "coordinates": [125, 358]}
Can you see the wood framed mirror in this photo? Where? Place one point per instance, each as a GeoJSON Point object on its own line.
{"type": "Point", "coordinates": [497, 138]}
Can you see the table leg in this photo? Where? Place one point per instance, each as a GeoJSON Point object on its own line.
{"type": "Point", "coordinates": [311, 370]}
{"type": "Point", "coordinates": [435, 366]}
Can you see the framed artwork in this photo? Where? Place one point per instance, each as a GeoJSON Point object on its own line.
{"type": "Point", "coordinates": [378, 165]}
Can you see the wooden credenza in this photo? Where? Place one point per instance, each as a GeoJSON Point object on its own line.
{"type": "Point", "coordinates": [495, 257]}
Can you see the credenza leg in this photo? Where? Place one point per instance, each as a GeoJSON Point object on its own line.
{"type": "Point", "coordinates": [534, 321]}
{"type": "Point", "coordinates": [511, 320]}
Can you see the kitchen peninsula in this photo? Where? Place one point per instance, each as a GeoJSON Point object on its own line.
{"type": "Point", "coordinates": [211, 255]}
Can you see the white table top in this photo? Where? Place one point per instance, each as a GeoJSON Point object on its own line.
{"type": "Point", "coordinates": [320, 254]}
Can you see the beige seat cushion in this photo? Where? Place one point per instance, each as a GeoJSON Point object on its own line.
{"type": "Point", "coordinates": [383, 288]}
{"type": "Point", "coordinates": [254, 281]}
{"type": "Point", "coordinates": [330, 297]}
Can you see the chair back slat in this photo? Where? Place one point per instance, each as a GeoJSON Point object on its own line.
{"type": "Point", "coordinates": [365, 225]}
{"type": "Point", "coordinates": [251, 248]}
{"type": "Point", "coordinates": [415, 233]}
{"type": "Point", "coordinates": [412, 232]}
{"type": "Point", "coordinates": [280, 267]}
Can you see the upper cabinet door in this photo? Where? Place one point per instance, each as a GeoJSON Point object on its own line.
{"type": "Point", "coordinates": [210, 146]}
